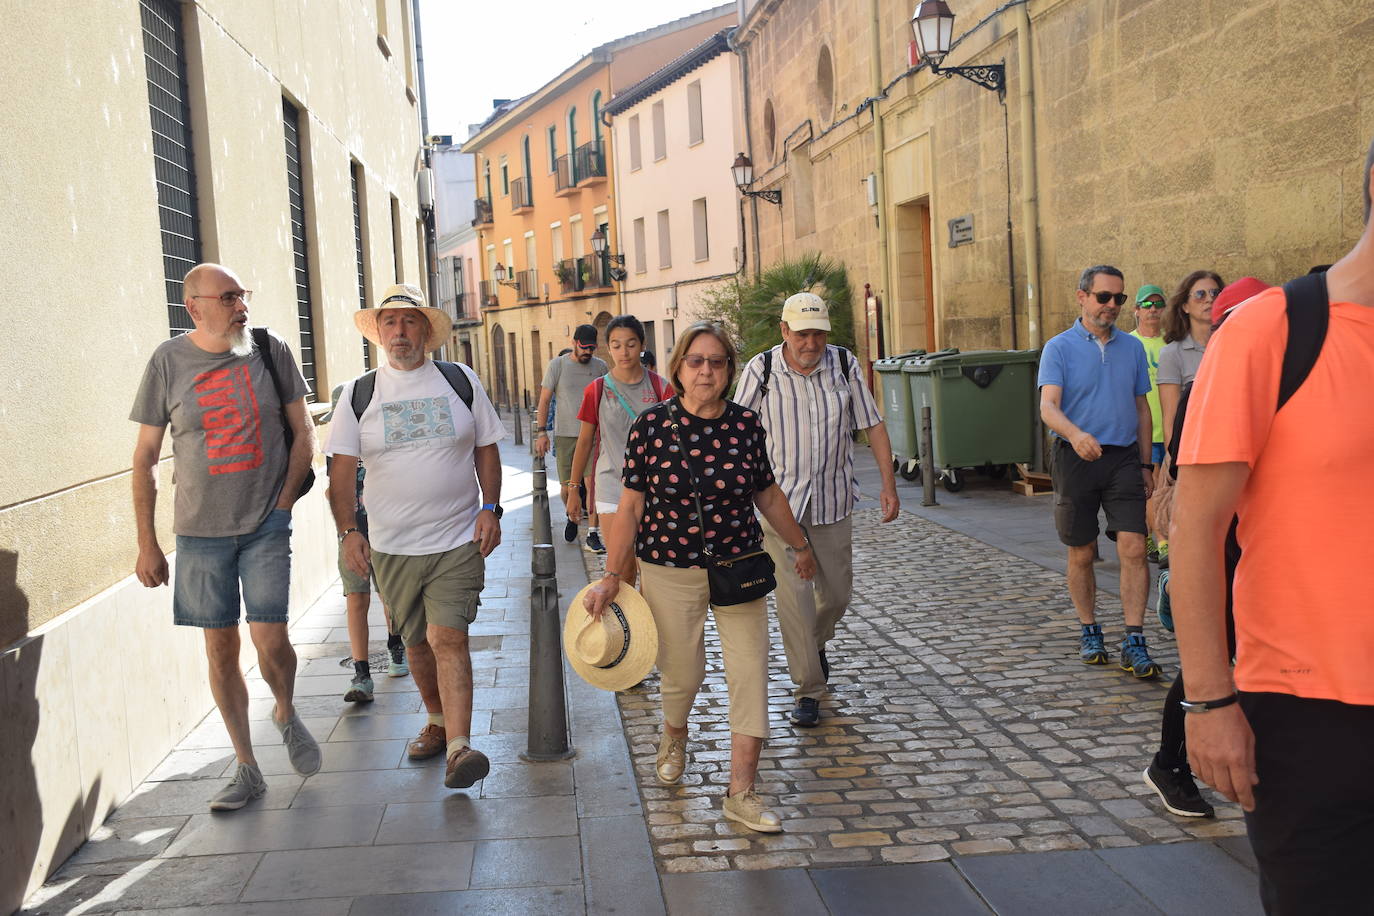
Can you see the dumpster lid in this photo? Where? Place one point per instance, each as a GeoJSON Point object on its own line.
{"type": "Point", "coordinates": [955, 358]}
{"type": "Point", "coordinates": [890, 362]}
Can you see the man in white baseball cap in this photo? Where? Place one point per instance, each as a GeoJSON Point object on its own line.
{"type": "Point", "coordinates": [811, 398]}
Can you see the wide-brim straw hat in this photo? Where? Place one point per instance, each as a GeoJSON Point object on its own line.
{"type": "Point", "coordinates": [616, 652]}
{"type": "Point", "coordinates": [405, 296]}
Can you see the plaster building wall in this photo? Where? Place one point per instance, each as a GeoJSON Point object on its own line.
{"type": "Point", "coordinates": [1168, 136]}
{"type": "Point", "coordinates": [97, 683]}
{"type": "Point", "coordinates": [689, 171]}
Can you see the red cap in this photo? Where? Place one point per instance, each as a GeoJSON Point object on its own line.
{"type": "Point", "coordinates": [1233, 295]}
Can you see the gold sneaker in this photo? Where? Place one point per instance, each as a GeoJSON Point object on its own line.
{"type": "Point", "coordinates": [672, 759]}
{"type": "Point", "coordinates": [749, 810]}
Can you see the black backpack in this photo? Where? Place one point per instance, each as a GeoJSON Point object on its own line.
{"type": "Point", "coordinates": [768, 368]}
{"type": "Point", "coordinates": [260, 340]}
{"type": "Point", "coordinates": [366, 386]}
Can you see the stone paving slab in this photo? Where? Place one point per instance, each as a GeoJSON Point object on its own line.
{"type": "Point", "coordinates": [959, 722]}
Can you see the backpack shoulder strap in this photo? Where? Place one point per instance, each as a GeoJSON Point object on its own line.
{"type": "Point", "coordinates": [458, 379]}
{"type": "Point", "coordinates": [660, 385]}
{"type": "Point", "coordinates": [1309, 313]}
{"type": "Point", "coordinates": [363, 387]}
{"type": "Point", "coordinates": [264, 345]}
{"type": "Point", "coordinates": [844, 363]}
{"type": "Point", "coordinates": [767, 372]}
{"type": "Point", "coordinates": [600, 391]}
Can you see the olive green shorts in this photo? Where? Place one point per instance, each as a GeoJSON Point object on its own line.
{"type": "Point", "coordinates": [563, 447]}
{"type": "Point", "coordinates": [438, 589]}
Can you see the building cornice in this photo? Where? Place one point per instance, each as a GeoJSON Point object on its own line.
{"type": "Point", "coordinates": [660, 79]}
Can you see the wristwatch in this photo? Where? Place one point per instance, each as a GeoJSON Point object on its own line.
{"type": "Point", "coordinates": [1146, 464]}
{"type": "Point", "coordinates": [806, 545]}
{"type": "Point", "coordinates": [493, 507]}
{"type": "Point", "coordinates": [1206, 705]}
{"type": "Point", "coordinates": [347, 532]}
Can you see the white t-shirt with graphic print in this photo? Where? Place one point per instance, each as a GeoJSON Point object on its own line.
{"type": "Point", "coordinates": [417, 439]}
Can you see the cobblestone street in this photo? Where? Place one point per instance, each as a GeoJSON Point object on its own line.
{"type": "Point", "coordinates": [959, 722]}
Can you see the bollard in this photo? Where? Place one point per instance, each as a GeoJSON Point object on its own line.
{"type": "Point", "coordinates": [927, 460]}
{"type": "Point", "coordinates": [548, 711]}
{"type": "Point", "coordinates": [519, 432]}
{"type": "Point", "coordinates": [543, 527]}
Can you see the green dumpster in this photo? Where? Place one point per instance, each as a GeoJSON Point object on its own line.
{"type": "Point", "coordinates": [896, 397]}
{"type": "Point", "coordinates": [982, 408]}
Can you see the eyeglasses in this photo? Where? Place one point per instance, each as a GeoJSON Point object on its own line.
{"type": "Point", "coordinates": [1104, 298]}
{"type": "Point", "coordinates": [1200, 294]}
{"type": "Point", "coordinates": [1152, 304]}
{"type": "Point", "coordinates": [228, 299]}
{"type": "Point", "coordinates": [694, 361]}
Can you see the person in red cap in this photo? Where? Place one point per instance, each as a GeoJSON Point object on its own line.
{"type": "Point", "coordinates": [1168, 773]}
{"type": "Point", "coordinates": [1289, 734]}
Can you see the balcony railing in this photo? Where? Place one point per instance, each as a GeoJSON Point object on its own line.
{"type": "Point", "coordinates": [563, 180]}
{"type": "Point", "coordinates": [527, 284]}
{"type": "Point", "coordinates": [589, 163]}
{"type": "Point", "coordinates": [520, 198]}
{"type": "Point", "coordinates": [596, 271]}
{"type": "Point", "coordinates": [461, 306]}
{"type": "Point", "coordinates": [481, 209]}
{"type": "Point", "coordinates": [571, 278]}
{"type": "Point", "coordinates": [488, 290]}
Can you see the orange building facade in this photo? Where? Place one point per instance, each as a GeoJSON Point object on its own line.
{"type": "Point", "coordinates": [544, 186]}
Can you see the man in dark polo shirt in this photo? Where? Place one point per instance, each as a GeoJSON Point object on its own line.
{"type": "Point", "coordinates": [1093, 385]}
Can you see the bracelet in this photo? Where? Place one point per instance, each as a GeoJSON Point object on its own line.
{"type": "Point", "coordinates": [1196, 706]}
{"type": "Point", "coordinates": [609, 573]}
{"type": "Point", "coordinates": [344, 534]}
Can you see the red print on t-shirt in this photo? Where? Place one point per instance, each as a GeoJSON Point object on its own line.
{"type": "Point", "coordinates": [233, 433]}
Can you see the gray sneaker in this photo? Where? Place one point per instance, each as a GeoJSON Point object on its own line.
{"type": "Point", "coordinates": [246, 785]}
{"type": "Point", "coordinates": [302, 750]}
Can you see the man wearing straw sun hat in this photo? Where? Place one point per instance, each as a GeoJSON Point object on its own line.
{"type": "Point", "coordinates": [428, 435]}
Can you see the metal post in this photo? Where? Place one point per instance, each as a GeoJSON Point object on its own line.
{"type": "Point", "coordinates": [543, 527]}
{"type": "Point", "coordinates": [519, 431]}
{"type": "Point", "coordinates": [927, 460]}
{"type": "Point", "coordinates": [548, 711]}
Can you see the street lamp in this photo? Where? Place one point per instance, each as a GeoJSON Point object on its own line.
{"type": "Point", "coordinates": [499, 272]}
{"type": "Point", "coordinates": [599, 246]}
{"type": "Point", "coordinates": [933, 25]}
{"type": "Point", "coordinates": [743, 171]}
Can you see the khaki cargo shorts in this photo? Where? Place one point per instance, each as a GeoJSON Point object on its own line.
{"type": "Point", "coordinates": [439, 589]}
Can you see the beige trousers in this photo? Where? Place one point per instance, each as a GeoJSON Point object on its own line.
{"type": "Point", "coordinates": [678, 599]}
{"type": "Point", "coordinates": [809, 611]}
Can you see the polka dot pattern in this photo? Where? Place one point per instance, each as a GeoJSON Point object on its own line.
{"type": "Point", "coordinates": [730, 460]}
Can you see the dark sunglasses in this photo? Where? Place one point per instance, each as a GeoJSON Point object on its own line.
{"type": "Point", "coordinates": [1152, 304]}
{"type": "Point", "coordinates": [1200, 294]}
{"type": "Point", "coordinates": [1104, 298]}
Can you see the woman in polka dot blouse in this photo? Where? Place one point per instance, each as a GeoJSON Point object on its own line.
{"type": "Point", "coordinates": [701, 436]}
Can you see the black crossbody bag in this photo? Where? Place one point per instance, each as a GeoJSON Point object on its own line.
{"type": "Point", "coordinates": [740, 579]}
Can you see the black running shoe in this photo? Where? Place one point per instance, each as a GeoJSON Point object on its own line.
{"type": "Point", "coordinates": [1177, 791]}
{"type": "Point", "coordinates": [807, 713]}
{"type": "Point", "coordinates": [570, 531]}
{"type": "Point", "coordinates": [593, 542]}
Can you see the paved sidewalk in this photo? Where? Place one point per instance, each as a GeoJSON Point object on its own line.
{"type": "Point", "coordinates": [374, 833]}
{"type": "Point", "coordinates": [966, 764]}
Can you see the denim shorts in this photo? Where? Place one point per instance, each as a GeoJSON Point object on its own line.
{"type": "Point", "coordinates": [205, 587]}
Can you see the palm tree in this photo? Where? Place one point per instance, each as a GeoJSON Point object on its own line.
{"type": "Point", "coordinates": [750, 311]}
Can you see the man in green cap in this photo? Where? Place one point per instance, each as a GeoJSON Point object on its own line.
{"type": "Point", "coordinates": [1149, 315]}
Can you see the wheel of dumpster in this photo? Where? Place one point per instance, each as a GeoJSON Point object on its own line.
{"type": "Point", "coordinates": [910, 470]}
{"type": "Point", "coordinates": [952, 480]}
{"type": "Point", "coordinates": [896, 464]}
{"type": "Point", "coordinates": [995, 471]}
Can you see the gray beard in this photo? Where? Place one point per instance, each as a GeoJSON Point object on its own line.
{"type": "Point", "coordinates": [240, 341]}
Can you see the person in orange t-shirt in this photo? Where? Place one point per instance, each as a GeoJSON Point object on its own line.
{"type": "Point", "coordinates": [1297, 751]}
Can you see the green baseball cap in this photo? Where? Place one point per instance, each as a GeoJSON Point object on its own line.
{"type": "Point", "coordinates": [1148, 290]}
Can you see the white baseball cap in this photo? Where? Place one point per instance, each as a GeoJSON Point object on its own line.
{"type": "Point", "coordinates": [806, 312]}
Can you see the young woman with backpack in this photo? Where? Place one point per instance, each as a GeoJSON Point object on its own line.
{"type": "Point", "coordinates": [610, 405]}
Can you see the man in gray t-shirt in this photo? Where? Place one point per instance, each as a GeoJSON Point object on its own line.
{"type": "Point", "coordinates": [566, 378]}
{"type": "Point", "coordinates": [236, 481]}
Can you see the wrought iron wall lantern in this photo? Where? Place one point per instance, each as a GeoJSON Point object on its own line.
{"type": "Point", "coordinates": [743, 172]}
{"type": "Point", "coordinates": [500, 272]}
{"type": "Point", "coordinates": [933, 25]}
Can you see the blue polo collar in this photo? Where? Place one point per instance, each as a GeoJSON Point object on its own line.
{"type": "Point", "coordinates": [1089, 335]}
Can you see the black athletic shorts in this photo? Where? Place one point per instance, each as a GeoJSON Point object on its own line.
{"type": "Point", "coordinates": [1112, 483]}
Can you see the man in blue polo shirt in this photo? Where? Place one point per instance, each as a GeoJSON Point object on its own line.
{"type": "Point", "coordinates": [1093, 383]}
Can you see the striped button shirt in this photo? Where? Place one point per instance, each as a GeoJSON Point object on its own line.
{"type": "Point", "coordinates": [810, 420]}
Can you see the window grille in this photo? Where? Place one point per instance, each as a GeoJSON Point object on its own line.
{"type": "Point", "coordinates": [291, 118]}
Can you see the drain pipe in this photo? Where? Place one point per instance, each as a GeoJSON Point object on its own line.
{"type": "Point", "coordinates": [743, 53]}
{"type": "Point", "coordinates": [1030, 191]}
{"type": "Point", "coordinates": [880, 175]}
